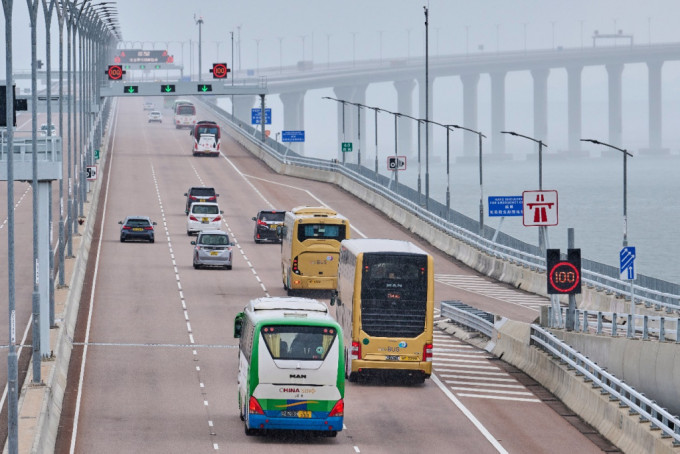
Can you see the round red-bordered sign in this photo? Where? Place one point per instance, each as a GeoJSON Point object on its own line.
{"type": "Point", "coordinates": [219, 70]}
{"type": "Point", "coordinates": [115, 72]}
{"type": "Point", "coordinates": [564, 277]}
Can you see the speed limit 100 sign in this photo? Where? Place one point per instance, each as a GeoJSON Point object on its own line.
{"type": "Point", "coordinates": [564, 276]}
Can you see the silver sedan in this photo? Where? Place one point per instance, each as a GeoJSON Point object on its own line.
{"type": "Point", "coordinates": [212, 248]}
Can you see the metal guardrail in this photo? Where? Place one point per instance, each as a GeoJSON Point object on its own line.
{"type": "Point", "coordinates": [631, 325]}
{"type": "Point", "coordinates": [593, 273]}
{"type": "Point", "coordinates": [627, 396]}
{"type": "Point", "coordinates": [469, 317]}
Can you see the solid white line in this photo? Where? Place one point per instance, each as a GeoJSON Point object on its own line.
{"type": "Point", "coordinates": [483, 430]}
{"type": "Point", "coordinates": [94, 286]}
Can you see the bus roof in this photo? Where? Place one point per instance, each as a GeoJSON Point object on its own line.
{"type": "Point", "coordinates": [287, 303]}
{"type": "Point", "coordinates": [359, 245]}
{"type": "Point", "coordinates": [302, 210]}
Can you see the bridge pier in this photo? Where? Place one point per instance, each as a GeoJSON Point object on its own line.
{"type": "Point", "coordinates": [357, 94]}
{"type": "Point", "coordinates": [294, 114]}
{"type": "Point", "coordinates": [498, 114]}
{"type": "Point", "coordinates": [242, 106]}
{"type": "Point", "coordinates": [405, 125]}
{"type": "Point", "coordinates": [574, 108]}
{"type": "Point", "coordinates": [655, 117]}
{"type": "Point", "coordinates": [614, 71]}
{"type": "Point", "coordinates": [470, 114]}
{"type": "Point", "coordinates": [540, 77]}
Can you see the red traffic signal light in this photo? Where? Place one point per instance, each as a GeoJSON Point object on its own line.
{"type": "Point", "coordinates": [564, 276]}
{"type": "Point", "coordinates": [115, 72]}
{"type": "Point", "coordinates": [220, 70]}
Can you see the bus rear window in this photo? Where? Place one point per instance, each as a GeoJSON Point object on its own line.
{"type": "Point", "coordinates": [186, 110]}
{"type": "Point", "coordinates": [321, 232]}
{"type": "Point", "coordinates": [299, 342]}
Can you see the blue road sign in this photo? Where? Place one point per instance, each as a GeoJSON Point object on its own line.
{"type": "Point", "coordinates": [292, 136]}
{"type": "Point", "coordinates": [256, 116]}
{"type": "Point", "coordinates": [627, 263]}
{"type": "Point", "coordinates": [506, 205]}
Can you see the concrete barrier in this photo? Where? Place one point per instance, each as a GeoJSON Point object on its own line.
{"type": "Point", "coordinates": [612, 421]}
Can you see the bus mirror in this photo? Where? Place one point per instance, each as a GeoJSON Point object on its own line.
{"type": "Point", "coordinates": [238, 324]}
{"type": "Point", "coordinates": [280, 231]}
{"type": "Point", "coordinates": [191, 132]}
{"type": "Point", "coordinates": [334, 297]}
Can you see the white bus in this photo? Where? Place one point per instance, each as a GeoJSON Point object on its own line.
{"type": "Point", "coordinates": [291, 366]}
{"type": "Point", "coordinates": [185, 115]}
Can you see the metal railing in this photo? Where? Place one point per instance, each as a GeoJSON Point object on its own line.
{"type": "Point", "coordinates": [627, 396]}
{"type": "Point", "coordinates": [468, 317]}
{"type": "Point", "coordinates": [657, 293]}
{"type": "Point", "coordinates": [631, 325]}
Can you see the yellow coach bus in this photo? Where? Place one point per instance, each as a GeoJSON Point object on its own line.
{"type": "Point", "coordinates": [385, 305]}
{"type": "Point", "coordinates": [310, 248]}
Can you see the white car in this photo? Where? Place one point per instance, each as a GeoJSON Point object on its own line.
{"type": "Point", "coordinates": [203, 216]}
{"type": "Point", "coordinates": [155, 115]}
{"type": "Point", "coordinates": [44, 130]}
{"type": "Point", "coordinates": [148, 106]}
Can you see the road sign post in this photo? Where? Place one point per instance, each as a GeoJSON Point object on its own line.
{"type": "Point", "coordinates": [627, 271]}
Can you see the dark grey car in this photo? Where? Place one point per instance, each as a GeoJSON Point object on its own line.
{"type": "Point", "coordinates": [199, 194]}
{"type": "Point", "coordinates": [137, 228]}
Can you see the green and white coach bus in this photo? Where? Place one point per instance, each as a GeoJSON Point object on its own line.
{"type": "Point", "coordinates": [291, 366]}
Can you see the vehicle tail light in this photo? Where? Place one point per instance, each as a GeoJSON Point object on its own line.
{"type": "Point", "coordinates": [191, 197]}
{"type": "Point", "coordinates": [217, 218]}
{"type": "Point", "coordinates": [356, 350]}
{"type": "Point", "coordinates": [427, 352]}
{"type": "Point", "coordinates": [218, 146]}
{"type": "Point", "coordinates": [126, 227]}
{"type": "Point", "coordinates": [296, 270]}
{"type": "Point", "coordinates": [193, 218]}
{"type": "Point", "coordinates": [212, 198]}
{"type": "Point", "coordinates": [261, 222]}
{"type": "Point", "coordinates": [254, 406]}
{"type": "Point", "coordinates": [338, 409]}
{"type": "Point", "coordinates": [148, 227]}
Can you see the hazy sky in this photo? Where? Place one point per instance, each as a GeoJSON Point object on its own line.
{"type": "Point", "coordinates": [329, 27]}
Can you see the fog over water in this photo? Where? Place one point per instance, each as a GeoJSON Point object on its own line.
{"type": "Point", "coordinates": [271, 34]}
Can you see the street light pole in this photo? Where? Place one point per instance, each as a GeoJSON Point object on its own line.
{"type": "Point", "coordinates": [625, 184]}
{"type": "Point", "coordinates": [343, 102]}
{"type": "Point", "coordinates": [200, 40]}
{"type": "Point", "coordinates": [481, 185]}
{"type": "Point", "coordinates": [427, 114]}
{"type": "Point", "coordinates": [541, 231]}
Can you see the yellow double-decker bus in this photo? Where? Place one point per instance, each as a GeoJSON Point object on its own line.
{"type": "Point", "coordinates": [310, 248]}
{"type": "Point", "coordinates": [385, 305]}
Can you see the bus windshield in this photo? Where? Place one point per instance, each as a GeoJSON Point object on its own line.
{"type": "Point", "coordinates": [321, 232]}
{"type": "Point", "coordinates": [214, 130]}
{"type": "Point", "coordinates": [299, 342]}
{"type": "Point", "coordinates": [393, 294]}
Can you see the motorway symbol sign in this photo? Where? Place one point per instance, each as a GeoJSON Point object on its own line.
{"type": "Point", "coordinates": [346, 147]}
{"type": "Point", "coordinates": [130, 89]}
{"type": "Point", "coordinates": [396, 163]}
{"type": "Point", "coordinates": [256, 116]}
{"type": "Point", "coordinates": [505, 206]}
{"type": "Point", "coordinates": [292, 136]}
{"type": "Point", "coordinates": [539, 208]}
{"type": "Point", "coordinates": [91, 172]}
{"type": "Point", "coordinates": [627, 263]}
{"type": "Point", "coordinates": [167, 88]}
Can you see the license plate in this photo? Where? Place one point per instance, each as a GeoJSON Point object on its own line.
{"type": "Point", "coordinates": [205, 220]}
{"type": "Point", "coordinates": [392, 358]}
{"type": "Point", "coordinates": [272, 226]}
{"type": "Point", "coordinates": [214, 253]}
{"type": "Point", "coordinates": [202, 200]}
{"type": "Point", "coordinates": [137, 229]}
{"type": "Point", "coordinates": [296, 414]}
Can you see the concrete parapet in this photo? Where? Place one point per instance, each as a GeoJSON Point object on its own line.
{"type": "Point", "coordinates": [612, 421]}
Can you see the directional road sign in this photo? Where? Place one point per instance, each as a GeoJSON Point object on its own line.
{"type": "Point", "coordinates": [204, 88]}
{"type": "Point", "coordinates": [505, 205]}
{"type": "Point", "coordinates": [539, 208]}
{"type": "Point", "coordinates": [130, 89]}
{"type": "Point", "coordinates": [346, 147]}
{"type": "Point", "coordinates": [292, 136]}
{"type": "Point", "coordinates": [167, 88]}
{"type": "Point", "coordinates": [256, 116]}
{"type": "Point", "coordinates": [627, 263]}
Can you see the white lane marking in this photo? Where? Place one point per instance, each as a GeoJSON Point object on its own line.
{"type": "Point", "coordinates": [321, 202]}
{"type": "Point", "coordinates": [81, 375]}
{"type": "Point", "coordinates": [515, 399]}
{"type": "Point", "coordinates": [468, 414]}
{"type": "Point", "coordinates": [474, 383]}
{"type": "Point", "coordinates": [479, 285]}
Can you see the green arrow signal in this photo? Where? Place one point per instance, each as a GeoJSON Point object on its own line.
{"type": "Point", "coordinates": [204, 88]}
{"type": "Point", "coordinates": [131, 90]}
{"type": "Point", "coordinates": [167, 88]}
